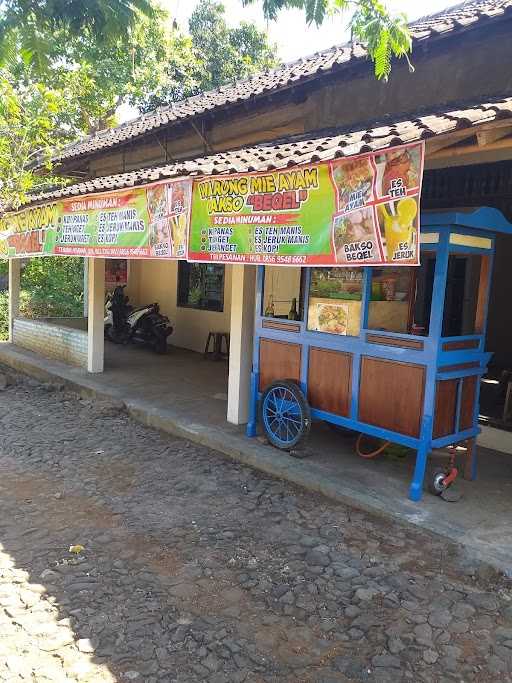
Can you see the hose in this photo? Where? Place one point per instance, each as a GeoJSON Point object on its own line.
{"type": "Point", "coordinates": [372, 454]}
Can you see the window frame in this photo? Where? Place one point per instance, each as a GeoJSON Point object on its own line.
{"type": "Point", "coordinates": [179, 289]}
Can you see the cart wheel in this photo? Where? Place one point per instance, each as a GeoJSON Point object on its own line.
{"type": "Point", "coordinates": [285, 414]}
{"type": "Point", "coordinates": [435, 485]}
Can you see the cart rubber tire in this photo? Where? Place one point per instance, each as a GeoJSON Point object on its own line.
{"type": "Point", "coordinates": [435, 481]}
{"type": "Point", "coordinates": [285, 414]}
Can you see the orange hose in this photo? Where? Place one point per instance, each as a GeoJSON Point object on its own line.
{"type": "Point", "coordinates": [372, 454]}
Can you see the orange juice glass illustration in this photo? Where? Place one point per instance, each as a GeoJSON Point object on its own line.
{"type": "Point", "coordinates": [398, 228]}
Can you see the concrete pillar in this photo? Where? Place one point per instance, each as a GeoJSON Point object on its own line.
{"type": "Point", "coordinates": [243, 284]}
{"type": "Point", "coordinates": [96, 308]}
{"type": "Point", "coordinates": [14, 292]}
{"type": "Point", "coordinates": [86, 287]}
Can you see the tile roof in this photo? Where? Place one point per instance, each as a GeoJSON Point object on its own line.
{"type": "Point", "coordinates": [452, 19]}
{"type": "Point", "coordinates": [301, 149]}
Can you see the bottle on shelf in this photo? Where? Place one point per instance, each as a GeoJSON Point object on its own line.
{"type": "Point", "coordinates": [293, 313]}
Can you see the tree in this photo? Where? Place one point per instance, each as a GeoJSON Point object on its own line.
{"type": "Point", "coordinates": [213, 54]}
{"type": "Point", "coordinates": [103, 19]}
{"type": "Point", "coordinates": [94, 77]}
{"type": "Point", "coordinates": [385, 35]}
{"type": "Point", "coordinates": [28, 118]}
{"type": "Point", "coordinates": [52, 287]}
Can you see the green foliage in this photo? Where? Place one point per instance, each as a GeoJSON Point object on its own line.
{"type": "Point", "coordinates": [104, 20]}
{"type": "Point", "coordinates": [73, 82]}
{"type": "Point", "coordinates": [385, 35]}
{"type": "Point", "coordinates": [214, 54]}
{"type": "Point", "coordinates": [92, 77]}
{"type": "Point", "coordinates": [52, 287]}
{"type": "Point", "coordinates": [29, 113]}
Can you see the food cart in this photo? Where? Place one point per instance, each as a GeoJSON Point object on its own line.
{"type": "Point", "coordinates": [394, 352]}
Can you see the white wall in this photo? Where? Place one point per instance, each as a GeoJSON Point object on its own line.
{"type": "Point", "coordinates": [154, 280]}
{"type": "Point", "coordinates": [58, 342]}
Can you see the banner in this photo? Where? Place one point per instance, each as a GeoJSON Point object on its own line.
{"type": "Point", "coordinates": [355, 211]}
{"type": "Point", "coordinates": [145, 222]}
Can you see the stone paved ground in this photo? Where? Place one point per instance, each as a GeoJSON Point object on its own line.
{"type": "Point", "coordinates": [198, 569]}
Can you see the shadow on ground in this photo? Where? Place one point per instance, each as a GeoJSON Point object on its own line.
{"type": "Point", "coordinates": [198, 569]}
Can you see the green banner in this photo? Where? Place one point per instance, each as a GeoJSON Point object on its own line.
{"type": "Point", "coordinates": [355, 211]}
{"type": "Point", "coordinates": [360, 210]}
{"type": "Point", "coordinates": [144, 222]}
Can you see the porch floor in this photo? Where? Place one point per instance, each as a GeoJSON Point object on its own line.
{"type": "Point", "coordinates": [184, 394]}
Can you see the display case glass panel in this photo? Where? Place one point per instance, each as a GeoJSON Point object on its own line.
{"type": "Point", "coordinates": [335, 300]}
{"type": "Point", "coordinates": [461, 296]}
{"type": "Point", "coordinates": [401, 298]}
{"type": "Point", "coordinates": [283, 293]}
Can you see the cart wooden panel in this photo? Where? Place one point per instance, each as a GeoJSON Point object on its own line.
{"type": "Point", "coordinates": [467, 403]}
{"type": "Point", "coordinates": [329, 381]}
{"type": "Point", "coordinates": [383, 379]}
{"type": "Point", "coordinates": [278, 360]}
{"type": "Point", "coordinates": [445, 407]}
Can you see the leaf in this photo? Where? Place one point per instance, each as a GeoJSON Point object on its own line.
{"type": "Point", "coordinates": [382, 56]}
{"type": "Point", "coordinates": [76, 549]}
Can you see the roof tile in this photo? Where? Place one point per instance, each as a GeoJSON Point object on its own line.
{"type": "Point", "coordinates": [301, 149]}
{"type": "Point", "coordinates": [449, 20]}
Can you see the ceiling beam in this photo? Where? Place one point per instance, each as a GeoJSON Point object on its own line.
{"type": "Point", "coordinates": [487, 137]}
{"type": "Point", "coordinates": [463, 150]}
{"type": "Point", "coordinates": [437, 143]}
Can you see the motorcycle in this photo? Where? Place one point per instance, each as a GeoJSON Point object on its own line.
{"type": "Point", "coordinates": [145, 325]}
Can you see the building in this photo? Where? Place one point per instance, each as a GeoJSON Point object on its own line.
{"type": "Point", "coordinates": [458, 100]}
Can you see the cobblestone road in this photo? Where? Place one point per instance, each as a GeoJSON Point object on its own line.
{"type": "Point", "coordinates": [198, 569]}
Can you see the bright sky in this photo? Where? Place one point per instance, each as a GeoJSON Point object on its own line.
{"type": "Point", "coordinates": [290, 33]}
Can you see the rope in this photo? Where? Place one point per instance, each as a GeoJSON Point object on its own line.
{"type": "Point", "coordinates": [371, 454]}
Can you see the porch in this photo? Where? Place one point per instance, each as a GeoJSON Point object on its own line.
{"type": "Point", "coordinates": [184, 394]}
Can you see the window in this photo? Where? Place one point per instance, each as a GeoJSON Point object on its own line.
{"type": "Point", "coordinates": [335, 300]}
{"type": "Point", "coordinates": [201, 285]}
{"type": "Point", "coordinates": [283, 293]}
{"type": "Point", "coordinates": [461, 297]}
{"type": "Point", "coordinates": [401, 298]}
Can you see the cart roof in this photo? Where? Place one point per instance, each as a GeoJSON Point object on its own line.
{"type": "Point", "coordinates": [480, 218]}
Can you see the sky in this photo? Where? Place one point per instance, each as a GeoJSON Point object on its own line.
{"type": "Point", "coordinates": [290, 32]}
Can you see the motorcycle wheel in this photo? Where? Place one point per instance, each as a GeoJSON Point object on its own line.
{"type": "Point", "coordinates": [160, 345]}
{"type": "Point", "coordinates": [116, 337]}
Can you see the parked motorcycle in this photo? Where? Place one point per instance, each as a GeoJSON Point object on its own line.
{"type": "Point", "coordinates": [144, 325]}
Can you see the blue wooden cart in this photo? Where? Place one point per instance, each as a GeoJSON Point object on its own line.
{"type": "Point", "coordinates": [393, 353]}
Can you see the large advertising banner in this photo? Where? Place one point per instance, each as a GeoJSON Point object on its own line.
{"type": "Point", "coordinates": [354, 211]}
{"type": "Point", "coordinates": [145, 222]}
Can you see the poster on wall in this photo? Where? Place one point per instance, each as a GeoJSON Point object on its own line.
{"type": "Point", "coordinates": [144, 222]}
{"type": "Point", "coordinates": [116, 272]}
{"type": "Point", "coordinates": [360, 210]}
